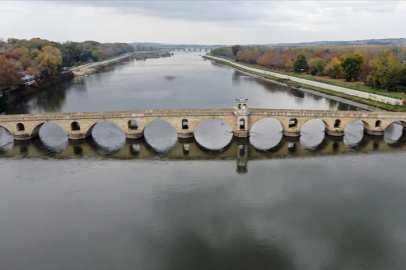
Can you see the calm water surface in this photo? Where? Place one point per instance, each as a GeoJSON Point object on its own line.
{"type": "Point", "coordinates": [211, 203]}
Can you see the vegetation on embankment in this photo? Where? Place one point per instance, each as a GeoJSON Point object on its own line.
{"type": "Point", "coordinates": [143, 55]}
{"type": "Point", "coordinates": [370, 68]}
{"type": "Point", "coordinates": [318, 89]}
{"type": "Point", "coordinates": [44, 59]}
{"type": "Point", "coordinates": [11, 96]}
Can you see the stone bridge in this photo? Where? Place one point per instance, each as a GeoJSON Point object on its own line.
{"type": "Point", "coordinates": [79, 125]}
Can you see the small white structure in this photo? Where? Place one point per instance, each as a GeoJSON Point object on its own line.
{"type": "Point", "coordinates": [65, 70]}
{"type": "Point", "coordinates": [27, 78]}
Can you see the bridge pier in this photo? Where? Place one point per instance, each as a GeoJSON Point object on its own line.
{"type": "Point", "coordinates": [185, 135]}
{"type": "Point", "coordinates": [291, 133]}
{"type": "Point", "coordinates": [374, 132]}
{"type": "Point", "coordinates": [22, 136]}
{"type": "Point", "coordinates": [134, 135]}
{"type": "Point", "coordinates": [76, 135]}
{"type": "Point", "coordinates": [241, 133]}
{"type": "Point", "coordinates": [335, 132]}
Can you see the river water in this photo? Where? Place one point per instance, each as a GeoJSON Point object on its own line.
{"type": "Point", "coordinates": [267, 202]}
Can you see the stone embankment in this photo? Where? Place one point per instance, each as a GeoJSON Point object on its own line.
{"type": "Point", "coordinates": [90, 68]}
{"type": "Point", "coordinates": [347, 91]}
{"type": "Point", "coordinates": [93, 67]}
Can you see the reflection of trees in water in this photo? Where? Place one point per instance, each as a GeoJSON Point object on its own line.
{"type": "Point", "coordinates": [54, 98]}
{"type": "Point", "coordinates": [346, 107]}
{"type": "Point", "coordinates": [332, 104]}
{"type": "Point", "coordinates": [47, 100]}
{"type": "Point", "coordinates": [268, 85]}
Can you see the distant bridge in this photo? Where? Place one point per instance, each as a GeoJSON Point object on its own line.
{"type": "Point", "coordinates": [79, 125]}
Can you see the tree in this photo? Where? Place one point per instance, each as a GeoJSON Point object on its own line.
{"type": "Point", "coordinates": [317, 65]}
{"type": "Point", "coordinates": [24, 57]}
{"type": "Point", "coordinates": [333, 68]}
{"type": "Point", "coordinates": [49, 61]}
{"type": "Point", "coordinates": [95, 55]}
{"type": "Point", "coordinates": [351, 65]}
{"type": "Point", "coordinates": [387, 70]}
{"type": "Point", "coordinates": [235, 49]}
{"type": "Point", "coordinates": [8, 73]}
{"type": "Point", "coordinates": [300, 63]}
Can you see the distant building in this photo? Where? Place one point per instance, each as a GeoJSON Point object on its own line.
{"type": "Point", "coordinates": [27, 78]}
{"type": "Point", "coordinates": [65, 70]}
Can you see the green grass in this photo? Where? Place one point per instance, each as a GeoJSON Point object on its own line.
{"type": "Point", "coordinates": [389, 107]}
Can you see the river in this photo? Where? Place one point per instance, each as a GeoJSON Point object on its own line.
{"type": "Point", "coordinates": [266, 202]}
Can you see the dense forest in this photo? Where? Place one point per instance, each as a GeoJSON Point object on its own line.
{"type": "Point", "coordinates": [377, 66]}
{"type": "Point", "coordinates": [44, 58]}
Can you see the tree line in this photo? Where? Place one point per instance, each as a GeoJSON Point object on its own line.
{"type": "Point", "coordinates": [378, 67]}
{"type": "Point", "coordinates": [44, 58]}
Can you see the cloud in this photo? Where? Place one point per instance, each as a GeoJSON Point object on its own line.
{"type": "Point", "coordinates": [208, 22]}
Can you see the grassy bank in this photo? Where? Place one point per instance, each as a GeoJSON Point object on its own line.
{"type": "Point", "coordinates": [358, 86]}
{"type": "Point", "coordinates": [12, 96]}
{"type": "Point", "coordinates": [377, 104]}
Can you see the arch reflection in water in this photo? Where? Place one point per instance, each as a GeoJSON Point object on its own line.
{"type": "Point", "coordinates": [266, 134]}
{"type": "Point", "coordinates": [107, 137]}
{"type": "Point", "coordinates": [213, 134]}
{"type": "Point", "coordinates": [52, 138]}
{"type": "Point", "coordinates": [312, 134]}
{"type": "Point", "coordinates": [160, 135]}
{"type": "Point", "coordinates": [353, 133]}
{"type": "Point", "coordinates": [393, 133]}
{"type": "Point", "coordinates": [239, 149]}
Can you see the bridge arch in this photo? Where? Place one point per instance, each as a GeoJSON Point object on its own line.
{"type": "Point", "coordinates": [394, 132]}
{"type": "Point", "coordinates": [35, 130]}
{"type": "Point", "coordinates": [204, 119]}
{"type": "Point", "coordinates": [313, 132]}
{"type": "Point", "coordinates": [214, 134]}
{"type": "Point", "coordinates": [75, 126]}
{"type": "Point", "coordinates": [266, 133]}
{"type": "Point", "coordinates": [168, 121]}
{"type": "Point", "coordinates": [132, 124]}
{"type": "Point", "coordinates": [354, 132]}
{"type": "Point", "coordinates": [7, 128]}
{"type": "Point", "coordinates": [89, 128]}
{"type": "Point", "coordinates": [20, 127]}
{"type": "Point", "coordinates": [160, 134]}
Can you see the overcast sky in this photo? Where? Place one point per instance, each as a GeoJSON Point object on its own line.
{"type": "Point", "coordinates": [203, 22]}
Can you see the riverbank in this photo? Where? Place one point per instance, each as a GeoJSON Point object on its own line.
{"type": "Point", "coordinates": [12, 96]}
{"type": "Point", "coordinates": [349, 94]}
{"type": "Point", "coordinates": [90, 68]}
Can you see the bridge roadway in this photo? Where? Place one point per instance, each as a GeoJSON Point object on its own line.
{"type": "Point", "coordinates": [79, 125]}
